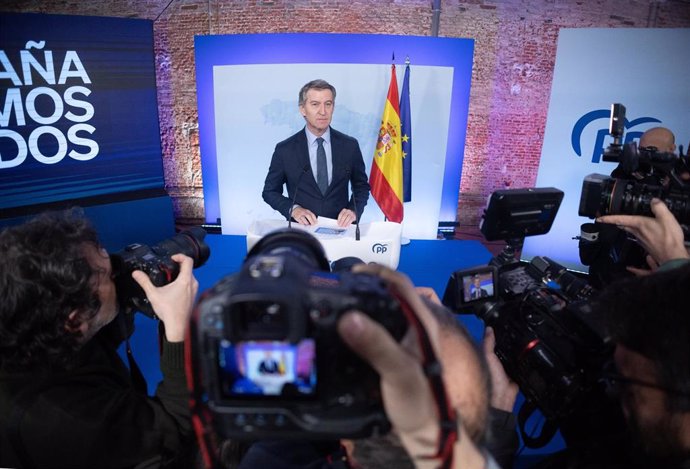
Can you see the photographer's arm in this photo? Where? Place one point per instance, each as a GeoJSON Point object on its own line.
{"type": "Point", "coordinates": [504, 391]}
{"type": "Point", "coordinates": [129, 426]}
{"type": "Point", "coordinates": [661, 236]}
{"type": "Point", "coordinates": [502, 441]}
{"type": "Point", "coordinates": [408, 398]}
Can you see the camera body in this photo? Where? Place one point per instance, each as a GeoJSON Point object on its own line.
{"type": "Point", "coordinates": [266, 354]}
{"type": "Point", "coordinates": [641, 174]}
{"type": "Point", "coordinates": [547, 338]}
{"type": "Point", "coordinates": [605, 195]}
{"type": "Point", "coordinates": [156, 262]}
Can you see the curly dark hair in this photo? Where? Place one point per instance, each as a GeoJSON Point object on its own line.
{"type": "Point", "coordinates": [44, 276]}
{"type": "Point", "coordinates": [649, 315]}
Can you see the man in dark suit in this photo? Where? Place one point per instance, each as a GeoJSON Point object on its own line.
{"type": "Point", "coordinates": [317, 164]}
{"type": "Point", "coordinates": [476, 290]}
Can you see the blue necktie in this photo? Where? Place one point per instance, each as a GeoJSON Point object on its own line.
{"type": "Point", "coordinates": [321, 168]}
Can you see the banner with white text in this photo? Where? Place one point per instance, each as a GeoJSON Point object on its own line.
{"type": "Point", "coordinates": [78, 109]}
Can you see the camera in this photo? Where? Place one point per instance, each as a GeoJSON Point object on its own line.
{"type": "Point", "coordinates": [267, 361]}
{"type": "Point", "coordinates": [156, 262]}
{"type": "Point", "coordinates": [547, 337]}
{"type": "Point", "coordinates": [642, 174]}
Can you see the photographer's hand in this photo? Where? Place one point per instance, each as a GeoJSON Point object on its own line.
{"type": "Point", "coordinates": [173, 302]}
{"type": "Point", "coordinates": [661, 236]}
{"type": "Point", "coordinates": [407, 396]}
{"type": "Point", "coordinates": [504, 391]}
{"type": "Point", "coordinates": [653, 265]}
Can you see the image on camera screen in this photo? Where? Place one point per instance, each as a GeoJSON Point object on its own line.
{"type": "Point", "coordinates": [267, 368]}
{"type": "Point", "coordinates": [477, 286]}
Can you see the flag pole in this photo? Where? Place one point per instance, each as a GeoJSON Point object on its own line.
{"type": "Point", "coordinates": [406, 144]}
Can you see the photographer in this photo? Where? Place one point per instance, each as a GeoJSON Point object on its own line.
{"type": "Point", "coordinates": [615, 255]}
{"type": "Point", "coordinates": [406, 393]}
{"type": "Point", "coordinates": [646, 320]}
{"type": "Point", "coordinates": [408, 398]}
{"type": "Point", "coordinates": [66, 397]}
{"type": "Point", "coordinates": [649, 323]}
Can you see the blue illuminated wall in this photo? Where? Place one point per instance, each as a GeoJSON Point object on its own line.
{"type": "Point", "coordinates": [343, 56]}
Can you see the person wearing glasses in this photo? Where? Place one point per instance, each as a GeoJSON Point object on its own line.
{"type": "Point", "coordinates": [648, 322]}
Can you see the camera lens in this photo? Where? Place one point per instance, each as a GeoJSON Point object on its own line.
{"type": "Point", "coordinates": [298, 244]}
{"type": "Point", "coordinates": [189, 242]}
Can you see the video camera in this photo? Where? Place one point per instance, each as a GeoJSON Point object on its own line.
{"type": "Point", "coordinates": [642, 174]}
{"type": "Point", "coordinates": [266, 358]}
{"type": "Point", "coordinates": [156, 262]}
{"type": "Point", "coordinates": [547, 338]}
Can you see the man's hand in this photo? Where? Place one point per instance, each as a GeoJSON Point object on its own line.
{"type": "Point", "coordinates": [504, 391]}
{"type": "Point", "coordinates": [346, 217]}
{"type": "Point", "coordinates": [173, 302]}
{"type": "Point", "coordinates": [661, 236]}
{"type": "Point", "coordinates": [406, 392]}
{"type": "Point", "coordinates": [303, 216]}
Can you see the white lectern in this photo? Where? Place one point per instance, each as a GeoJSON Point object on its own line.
{"type": "Point", "coordinates": [379, 241]}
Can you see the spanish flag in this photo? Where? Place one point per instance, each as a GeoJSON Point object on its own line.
{"type": "Point", "coordinates": [386, 177]}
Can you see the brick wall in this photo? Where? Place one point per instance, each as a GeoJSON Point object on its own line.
{"type": "Point", "coordinates": [515, 48]}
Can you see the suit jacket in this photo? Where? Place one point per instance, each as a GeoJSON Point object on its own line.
{"type": "Point", "coordinates": [290, 166]}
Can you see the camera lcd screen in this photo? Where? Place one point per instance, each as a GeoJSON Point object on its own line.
{"type": "Point", "coordinates": [478, 285]}
{"type": "Point", "coordinates": [267, 368]}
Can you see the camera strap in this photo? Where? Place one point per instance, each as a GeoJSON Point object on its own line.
{"type": "Point", "coordinates": [448, 420]}
{"type": "Point", "coordinates": [135, 373]}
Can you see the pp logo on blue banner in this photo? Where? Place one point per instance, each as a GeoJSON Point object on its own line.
{"type": "Point", "coordinates": [603, 115]}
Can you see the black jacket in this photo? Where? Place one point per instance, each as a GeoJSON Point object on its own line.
{"type": "Point", "coordinates": [93, 416]}
{"type": "Point", "coordinates": [290, 166]}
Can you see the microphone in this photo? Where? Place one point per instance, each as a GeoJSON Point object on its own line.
{"type": "Point", "coordinates": [305, 170]}
{"type": "Point", "coordinates": [354, 202]}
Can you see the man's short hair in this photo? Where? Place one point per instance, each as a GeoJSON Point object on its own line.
{"type": "Point", "coordinates": [649, 315]}
{"type": "Point", "coordinates": [314, 85]}
{"type": "Point", "coordinates": [44, 276]}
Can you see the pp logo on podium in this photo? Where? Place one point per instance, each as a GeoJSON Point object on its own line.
{"type": "Point", "coordinates": [379, 248]}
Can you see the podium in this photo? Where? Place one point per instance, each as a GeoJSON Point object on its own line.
{"type": "Point", "coordinates": [379, 241]}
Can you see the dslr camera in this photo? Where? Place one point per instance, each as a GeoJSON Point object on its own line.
{"type": "Point", "coordinates": [156, 262]}
{"type": "Point", "coordinates": [266, 358]}
{"type": "Point", "coordinates": [642, 174]}
{"type": "Point", "coordinates": [547, 337]}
